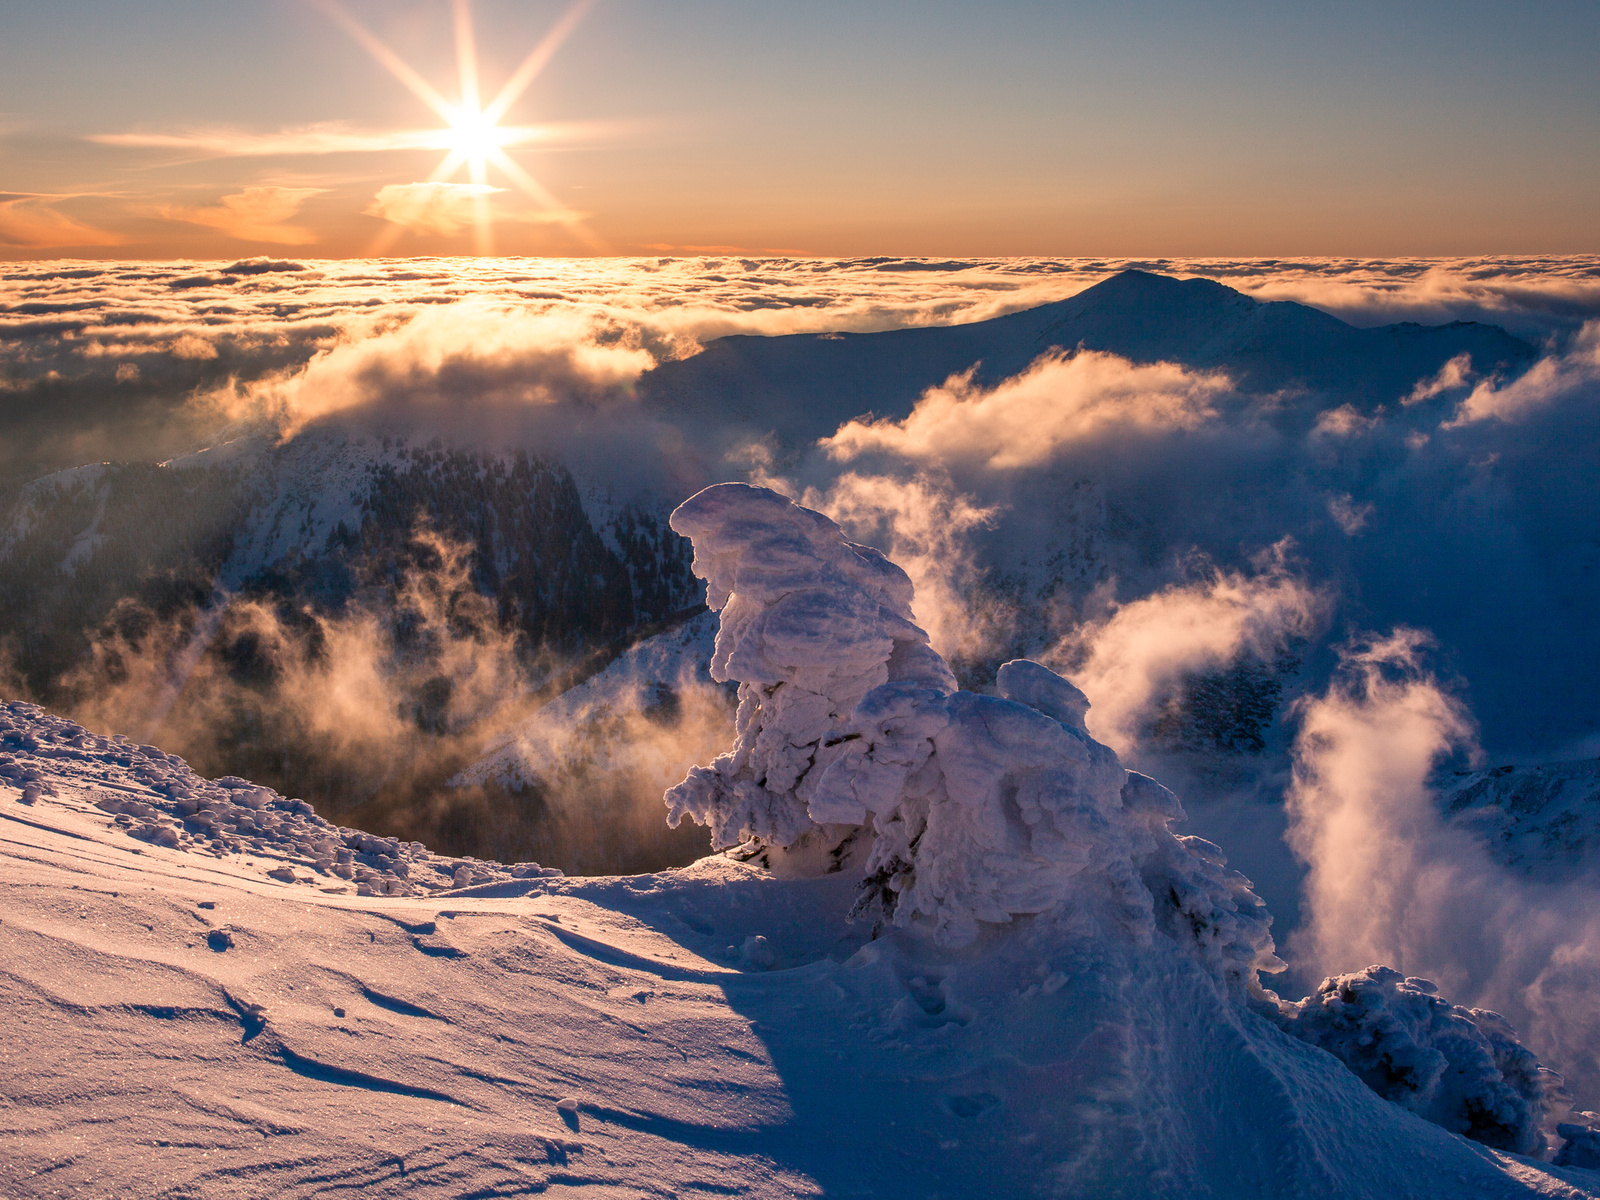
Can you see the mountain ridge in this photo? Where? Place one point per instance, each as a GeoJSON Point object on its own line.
{"type": "Point", "coordinates": [803, 386]}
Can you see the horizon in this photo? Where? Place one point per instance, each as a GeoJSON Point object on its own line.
{"type": "Point", "coordinates": [624, 129]}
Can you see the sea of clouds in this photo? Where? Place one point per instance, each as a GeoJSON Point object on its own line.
{"type": "Point", "coordinates": [1431, 559]}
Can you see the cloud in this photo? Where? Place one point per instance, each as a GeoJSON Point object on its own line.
{"type": "Point", "coordinates": [1389, 881]}
{"type": "Point", "coordinates": [369, 710]}
{"type": "Point", "coordinates": [1124, 504]}
{"type": "Point", "coordinates": [257, 214]}
{"type": "Point", "coordinates": [1025, 420]}
{"type": "Point", "coordinates": [1456, 373]}
{"type": "Point", "coordinates": [1346, 421]}
{"type": "Point", "coordinates": [1350, 516]}
{"type": "Point", "coordinates": [1133, 659]}
{"type": "Point", "coordinates": [1533, 297]}
{"type": "Point", "coordinates": [31, 221]}
{"type": "Point", "coordinates": [1570, 374]}
{"type": "Point", "coordinates": [327, 137]}
{"type": "Point", "coordinates": [444, 208]}
{"type": "Point", "coordinates": [451, 366]}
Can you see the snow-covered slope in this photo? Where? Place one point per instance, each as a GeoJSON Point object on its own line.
{"type": "Point", "coordinates": [1543, 818]}
{"type": "Point", "coordinates": [185, 1024]}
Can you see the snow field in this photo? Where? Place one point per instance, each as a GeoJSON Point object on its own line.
{"type": "Point", "coordinates": [1046, 992]}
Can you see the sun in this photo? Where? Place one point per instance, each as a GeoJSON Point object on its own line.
{"type": "Point", "coordinates": [473, 137]}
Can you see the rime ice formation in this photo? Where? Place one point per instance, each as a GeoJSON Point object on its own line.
{"type": "Point", "coordinates": [977, 809]}
{"type": "Point", "coordinates": [810, 624]}
{"type": "Point", "coordinates": [1457, 1067]}
{"type": "Point", "coordinates": [980, 808]}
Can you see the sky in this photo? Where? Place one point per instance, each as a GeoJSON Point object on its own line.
{"type": "Point", "coordinates": [189, 129]}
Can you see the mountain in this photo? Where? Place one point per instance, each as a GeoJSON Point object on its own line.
{"type": "Point", "coordinates": [1543, 818]}
{"type": "Point", "coordinates": [804, 386]}
{"type": "Point", "coordinates": [319, 518]}
{"type": "Point", "coordinates": [983, 966]}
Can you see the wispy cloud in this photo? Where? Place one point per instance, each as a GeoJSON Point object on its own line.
{"type": "Point", "coordinates": [1456, 373]}
{"type": "Point", "coordinates": [449, 208]}
{"type": "Point", "coordinates": [431, 207]}
{"type": "Point", "coordinates": [31, 220]}
{"type": "Point", "coordinates": [1573, 374]}
{"type": "Point", "coordinates": [338, 137]}
{"type": "Point", "coordinates": [257, 214]}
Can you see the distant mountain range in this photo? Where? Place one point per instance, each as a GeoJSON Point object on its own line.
{"type": "Point", "coordinates": [804, 386]}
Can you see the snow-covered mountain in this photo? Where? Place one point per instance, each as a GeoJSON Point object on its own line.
{"type": "Point", "coordinates": [314, 517]}
{"type": "Point", "coordinates": [980, 964]}
{"type": "Point", "coordinates": [1543, 818]}
{"type": "Point", "coordinates": [804, 386]}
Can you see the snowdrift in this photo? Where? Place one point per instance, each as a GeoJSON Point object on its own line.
{"type": "Point", "coordinates": [955, 950]}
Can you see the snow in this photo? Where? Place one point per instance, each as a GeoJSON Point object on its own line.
{"type": "Point", "coordinates": [181, 1024]}
{"type": "Point", "coordinates": [1539, 818]}
{"type": "Point", "coordinates": [1061, 999]}
{"type": "Point", "coordinates": [158, 799]}
{"type": "Point", "coordinates": [1457, 1067]}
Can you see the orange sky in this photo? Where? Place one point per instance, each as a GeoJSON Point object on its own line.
{"type": "Point", "coordinates": [322, 128]}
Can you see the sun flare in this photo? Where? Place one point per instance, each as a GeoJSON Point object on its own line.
{"type": "Point", "coordinates": [473, 137]}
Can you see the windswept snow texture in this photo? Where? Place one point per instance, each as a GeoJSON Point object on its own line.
{"type": "Point", "coordinates": [184, 1024]}
{"type": "Point", "coordinates": [156, 798]}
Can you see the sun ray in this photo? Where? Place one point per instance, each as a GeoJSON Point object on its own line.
{"type": "Point", "coordinates": [536, 61]}
{"type": "Point", "coordinates": [448, 166]}
{"type": "Point", "coordinates": [535, 190]}
{"type": "Point", "coordinates": [467, 58]}
{"type": "Point", "coordinates": [397, 66]}
{"type": "Point", "coordinates": [474, 138]}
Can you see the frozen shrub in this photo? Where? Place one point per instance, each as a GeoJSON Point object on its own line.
{"type": "Point", "coordinates": [1458, 1067]}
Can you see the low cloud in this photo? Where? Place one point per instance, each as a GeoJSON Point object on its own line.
{"type": "Point", "coordinates": [1025, 420]}
{"type": "Point", "coordinates": [929, 529]}
{"type": "Point", "coordinates": [1133, 659]}
{"type": "Point", "coordinates": [257, 214]}
{"type": "Point", "coordinates": [1456, 373]}
{"type": "Point", "coordinates": [1389, 881]}
{"type": "Point", "coordinates": [1573, 373]}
